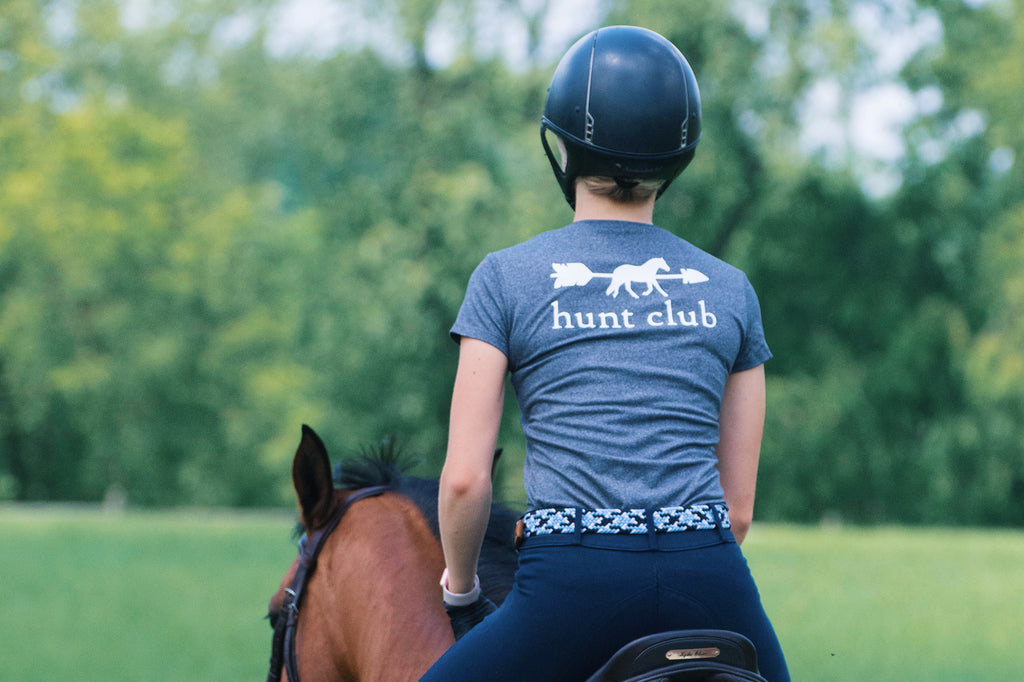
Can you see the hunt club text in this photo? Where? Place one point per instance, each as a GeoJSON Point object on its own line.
{"type": "Point", "coordinates": [625, 319]}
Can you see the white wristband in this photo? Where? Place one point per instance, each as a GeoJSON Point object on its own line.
{"type": "Point", "coordinates": [456, 599]}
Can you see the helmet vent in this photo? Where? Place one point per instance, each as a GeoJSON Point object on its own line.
{"type": "Point", "coordinates": [588, 133]}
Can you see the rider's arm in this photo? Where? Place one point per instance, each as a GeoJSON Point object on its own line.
{"type": "Point", "coordinates": [464, 499]}
{"type": "Point", "coordinates": [741, 424]}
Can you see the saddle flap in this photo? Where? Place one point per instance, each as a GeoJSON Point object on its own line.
{"type": "Point", "coordinates": [680, 650]}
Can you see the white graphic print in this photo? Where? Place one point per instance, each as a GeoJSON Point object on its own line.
{"type": "Point", "coordinates": [578, 275]}
{"type": "Point", "coordinates": [645, 274]}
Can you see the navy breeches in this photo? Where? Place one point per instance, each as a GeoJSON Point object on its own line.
{"type": "Point", "coordinates": [576, 601]}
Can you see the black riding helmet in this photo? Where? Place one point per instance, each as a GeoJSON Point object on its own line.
{"type": "Point", "coordinates": [625, 103]}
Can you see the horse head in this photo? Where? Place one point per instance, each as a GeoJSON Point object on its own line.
{"type": "Point", "coordinates": [371, 609]}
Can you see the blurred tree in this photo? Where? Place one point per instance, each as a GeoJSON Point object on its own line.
{"type": "Point", "coordinates": [871, 304]}
{"type": "Point", "coordinates": [103, 327]}
{"type": "Point", "coordinates": [207, 239]}
{"type": "Point", "coordinates": [976, 196]}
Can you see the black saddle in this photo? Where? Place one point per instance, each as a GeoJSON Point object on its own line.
{"type": "Point", "coordinates": [683, 656]}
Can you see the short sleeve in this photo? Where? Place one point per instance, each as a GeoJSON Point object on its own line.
{"type": "Point", "coordinates": [483, 313]}
{"type": "Point", "coordinates": [754, 349]}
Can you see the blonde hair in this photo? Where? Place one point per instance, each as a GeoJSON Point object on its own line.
{"type": "Point", "coordinates": [623, 190]}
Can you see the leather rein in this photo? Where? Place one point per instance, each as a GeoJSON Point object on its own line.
{"type": "Point", "coordinates": [282, 655]}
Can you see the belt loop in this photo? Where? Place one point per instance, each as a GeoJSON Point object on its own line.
{"type": "Point", "coordinates": [577, 534]}
{"type": "Point", "coordinates": [719, 515]}
{"type": "Point", "coordinates": [652, 532]}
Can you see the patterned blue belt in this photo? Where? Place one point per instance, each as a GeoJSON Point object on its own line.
{"type": "Point", "coordinates": [625, 521]}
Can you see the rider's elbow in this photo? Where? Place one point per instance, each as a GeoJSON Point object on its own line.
{"type": "Point", "coordinates": [464, 485]}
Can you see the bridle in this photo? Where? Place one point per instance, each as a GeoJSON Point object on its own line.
{"type": "Point", "coordinates": [282, 655]}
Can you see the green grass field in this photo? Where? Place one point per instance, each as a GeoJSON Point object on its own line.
{"type": "Point", "coordinates": [181, 595]}
{"type": "Point", "coordinates": [894, 603]}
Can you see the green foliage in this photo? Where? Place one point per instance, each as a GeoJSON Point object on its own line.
{"type": "Point", "coordinates": [204, 244]}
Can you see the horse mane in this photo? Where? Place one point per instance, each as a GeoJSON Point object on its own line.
{"type": "Point", "coordinates": [379, 465]}
{"type": "Point", "coordinates": [385, 464]}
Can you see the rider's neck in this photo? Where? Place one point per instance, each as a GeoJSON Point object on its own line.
{"type": "Point", "coordinates": [590, 206]}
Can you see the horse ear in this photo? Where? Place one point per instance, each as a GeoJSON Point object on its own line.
{"type": "Point", "coordinates": [311, 475]}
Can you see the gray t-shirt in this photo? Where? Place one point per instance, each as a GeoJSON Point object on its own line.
{"type": "Point", "coordinates": [620, 337]}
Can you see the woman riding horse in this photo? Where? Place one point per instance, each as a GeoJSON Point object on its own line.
{"type": "Point", "coordinates": [642, 439]}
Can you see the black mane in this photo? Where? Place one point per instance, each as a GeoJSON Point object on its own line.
{"type": "Point", "coordinates": [381, 465]}
{"type": "Point", "coordinates": [384, 465]}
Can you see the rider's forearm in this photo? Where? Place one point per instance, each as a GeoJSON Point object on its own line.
{"type": "Point", "coordinates": [463, 510]}
{"type": "Point", "coordinates": [741, 424]}
{"type": "Point", "coordinates": [464, 498]}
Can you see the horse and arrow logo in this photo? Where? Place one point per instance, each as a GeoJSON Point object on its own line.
{"type": "Point", "coordinates": [578, 275]}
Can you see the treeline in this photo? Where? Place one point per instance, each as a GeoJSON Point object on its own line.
{"type": "Point", "coordinates": [205, 243]}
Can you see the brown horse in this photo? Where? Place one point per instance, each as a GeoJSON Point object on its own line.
{"type": "Point", "coordinates": [372, 608]}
